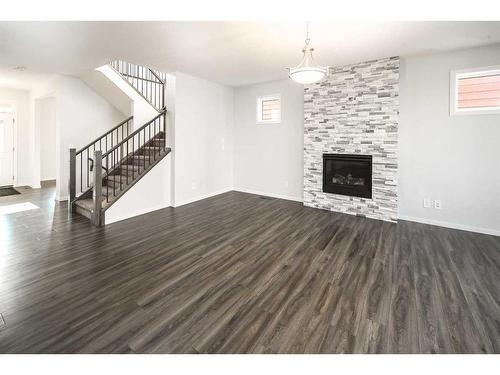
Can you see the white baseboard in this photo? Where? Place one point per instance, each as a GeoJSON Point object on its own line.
{"type": "Point", "coordinates": [110, 219]}
{"type": "Point", "coordinates": [200, 197]}
{"type": "Point", "coordinates": [266, 194]}
{"type": "Point", "coordinates": [447, 224]}
{"type": "Point", "coordinates": [33, 186]}
{"type": "Point", "coordinates": [61, 198]}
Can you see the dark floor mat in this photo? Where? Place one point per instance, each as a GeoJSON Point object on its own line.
{"type": "Point", "coordinates": [8, 191]}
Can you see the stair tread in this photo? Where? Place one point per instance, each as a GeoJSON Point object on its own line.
{"type": "Point", "coordinates": [142, 156]}
{"type": "Point", "coordinates": [88, 204]}
{"type": "Point", "coordinates": [117, 177]}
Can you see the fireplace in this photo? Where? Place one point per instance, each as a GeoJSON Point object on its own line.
{"type": "Point", "coordinates": [348, 175]}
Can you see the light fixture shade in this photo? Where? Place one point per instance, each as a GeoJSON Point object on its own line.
{"type": "Point", "coordinates": [307, 71]}
{"type": "Point", "coordinates": [307, 75]}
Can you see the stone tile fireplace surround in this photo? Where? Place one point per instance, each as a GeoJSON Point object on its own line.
{"type": "Point", "coordinates": [354, 110]}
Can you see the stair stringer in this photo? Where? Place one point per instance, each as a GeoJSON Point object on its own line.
{"type": "Point", "coordinates": [150, 193]}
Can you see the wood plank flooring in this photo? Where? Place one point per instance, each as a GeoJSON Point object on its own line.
{"type": "Point", "coordinates": [238, 273]}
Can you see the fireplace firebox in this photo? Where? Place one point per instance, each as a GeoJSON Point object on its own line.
{"type": "Point", "coordinates": [348, 175]}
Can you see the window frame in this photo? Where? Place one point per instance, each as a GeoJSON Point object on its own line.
{"type": "Point", "coordinates": [260, 100]}
{"type": "Point", "coordinates": [455, 75]}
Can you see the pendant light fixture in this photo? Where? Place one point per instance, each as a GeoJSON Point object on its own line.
{"type": "Point", "coordinates": [307, 71]}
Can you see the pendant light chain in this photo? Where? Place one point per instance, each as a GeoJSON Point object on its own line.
{"type": "Point", "coordinates": [307, 71]}
{"type": "Point", "coordinates": [307, 34]}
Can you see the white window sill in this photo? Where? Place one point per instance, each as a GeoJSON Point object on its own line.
{"type": "Point", "coordinates": [268, 122]}
{"type": "Point", "coordinates": [462, 112]}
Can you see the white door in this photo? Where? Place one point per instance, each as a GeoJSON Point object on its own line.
{"type": "Point", "coordinates": [6, 149]}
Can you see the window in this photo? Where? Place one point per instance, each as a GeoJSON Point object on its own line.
{"type": "Point", "coordinates": [475, 91]}
{"type": "Point", "coordinates": [269, 109]}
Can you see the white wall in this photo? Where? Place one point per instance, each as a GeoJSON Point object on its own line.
{"type": "Point", "coordinates": [455, 159]}
{"type": "Point", "coordinates": [200, 123]}
{"type": "Point", "coordinates": [268, 159]}
{"type": "Point", "coordinates": [150, 193]}
{"type": "Point", "coordinates": [47, 123]}
{"type": "Point", "coordinates": [141, 109]}
{"type": "Point", "coordinates": [19, 100]}
{"type": "Point", "coordinates": [49, 88]}
{"type": "Point", "coordinates": [102, 85]}
{"type": "Point", "coordinates": [202, 141]}
{"type": "Point", "coordinates": [452, 158]}
{"type": "Point", "coordinates": [154, 190]}
{"type": "Point", "coordinates": [82, 116]}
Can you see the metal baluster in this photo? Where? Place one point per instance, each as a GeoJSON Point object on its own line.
{"type": "Point", "coordinates": [72, 178]}
{"type": "Point", "coordinates": [120, 168]}
{"type": "Point", "coordinates": [136, 75]}
{"type": "Point", "coordinates": [127, 163]}
{"type": "Point", "coordinates": [81, 171]}
{"type": "Point", "coordinates": [93, 149]}
{"type": "Point", "coordinates": [88, 167]}
{"type": "Point", "coordinates": [97, 192]}
{"type": "Point", "coordinates": [107, 185]}
{"type": "Point", "coordinates": [112, 164]}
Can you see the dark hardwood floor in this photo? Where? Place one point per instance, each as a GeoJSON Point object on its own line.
{"type": "Point", "coordinates": [238, 273]}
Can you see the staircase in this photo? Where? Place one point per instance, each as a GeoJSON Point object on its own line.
{"type": "Point", "coordinates": [106, 168]}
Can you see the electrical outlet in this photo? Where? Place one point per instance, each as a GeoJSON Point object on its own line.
{"type": "Point", "coordinates": [427, 203]}
{"type": "Point", "coordinates": [193, 185]}
{"type": "Point", "coordinates": [437, 204]}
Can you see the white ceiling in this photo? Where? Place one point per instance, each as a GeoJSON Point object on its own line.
{"type": "Point", "coordinates": [232, 53]}
{"type": "Point", "coordinates": [21, 80]}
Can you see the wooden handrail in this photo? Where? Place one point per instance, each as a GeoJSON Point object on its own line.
{"type": "Point", "coordinates": [135, 132]}
{"type": "Point", "coordinates": [104, 135]}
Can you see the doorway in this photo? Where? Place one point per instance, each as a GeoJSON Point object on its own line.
{"type": "Point", "coordinates": [7, 148]}
{"type": "Point", "coordinates": [46, 118]}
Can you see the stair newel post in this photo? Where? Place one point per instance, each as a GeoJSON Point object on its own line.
{"type": "Point", "coordinates": [97, 220]}
{"type": "Point", "coordinates": [72, 179]}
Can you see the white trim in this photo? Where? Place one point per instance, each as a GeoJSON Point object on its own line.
{"type": "Point", "coordinates": [139, 213]}
{"type": "Point", "coordinates": [200, 197]}
{"type": "Point", "coordinates": [260, 99]}
{"type": "Point", "coordinates": [493, 232]}
{"type": "Point", "coordinates": [242, 190]}
{"type": "Point", "coordinates": [468, 73]}
{"type": "Point", "coordinates": [13, 105]}
{"type": "Point", "coordinates": [272, 195]}
{"type": "Point", "coordinates": [59, 198]}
